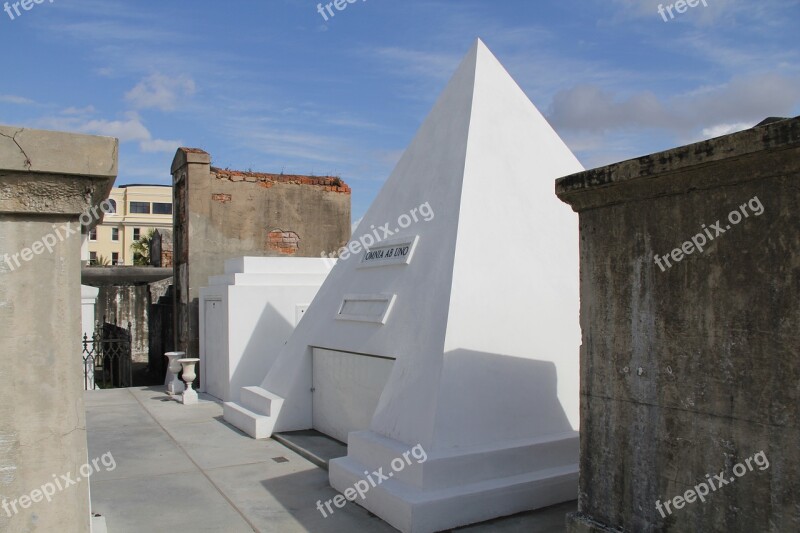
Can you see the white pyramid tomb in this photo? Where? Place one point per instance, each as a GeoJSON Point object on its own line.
{"type": "Point", "coordinates": [465, 347]}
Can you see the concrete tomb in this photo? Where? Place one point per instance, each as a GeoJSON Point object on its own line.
{"type": "Point", "coordinates": [690, 271]}
{"type": "Point", "coordinates": [248, 313]}
{"type": "Point", "coordinates": [88, 301]}
{"type": "Point", "coordinates": [449, 325]}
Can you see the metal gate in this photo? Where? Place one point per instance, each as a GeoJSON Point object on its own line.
{"type": "Point", "coordinates": [107, 360]}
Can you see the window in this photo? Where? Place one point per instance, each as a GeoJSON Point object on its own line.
{"type": "Point", "coordinates": [114, 234]}
{"type": "Point", "coordinates": [93, 234]}
{"type": "Point", "coordinates": [140, 207]}
{"type": "Point", "coordinates": [162, 208]}
{"type": "Point", "coordinates": [92, 258]}
{"type": "Point", "coordinates": [136, 232]}
{"type": "Point", "coordinates": [112, 206]}
{"type": "Point", "coordinates": [114, 258]}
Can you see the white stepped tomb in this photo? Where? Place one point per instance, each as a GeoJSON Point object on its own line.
{"type": "Point", "coordinates": [457, 333]}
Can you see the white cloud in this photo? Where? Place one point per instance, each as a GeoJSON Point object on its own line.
{"type": "Point", "coordinates": [590, 108]}
{"type": "Point", "coordinates": [131, 129]}
{"type": "Point", "coordinates": [724, 129]}
{"type": "Point", "coordinates": [78, 111]}
{"type": "Point", "coordinates": [347, 121]}
{"type": "Point", "coordinates": [104, 72]}
{"type": "Point", "coordinates": [434, 65]}
{"type": "Point", "coordinates": [159, 145]}
{"type": "Point", "coordinates": [288, 143]}
{"type": "Point", "coordinates": [160, 92]}
{"type": "Point", "coordinates": [110, 31]}
{"type": "Point", "coordinates": [739, 103]}
{"type": "Point", "coordinates": [16, 100]}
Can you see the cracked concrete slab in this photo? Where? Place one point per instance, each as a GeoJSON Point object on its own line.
{"type": "Point", "coordinates": [30, 150]}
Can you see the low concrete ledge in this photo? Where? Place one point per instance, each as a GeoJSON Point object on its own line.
{"type": "Point", "coordinates": [55, 152]}
{"type": "Point", "coordinates": [54, 172]}
{"type": "Point", "coordinates": [115, 275]}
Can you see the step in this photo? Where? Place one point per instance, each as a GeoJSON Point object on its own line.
{"type": "Point", "coordinates": [260, 401]}
{"type": "Point", "coordinates": [256, 425]}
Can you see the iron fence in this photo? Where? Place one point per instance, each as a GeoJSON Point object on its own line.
{"type": "Point", "coordinates": [107, 360]}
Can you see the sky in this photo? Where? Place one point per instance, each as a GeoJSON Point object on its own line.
{"type": "Point", "coordinates": [272, 86]}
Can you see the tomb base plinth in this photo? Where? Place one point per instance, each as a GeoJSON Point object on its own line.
{"type": "Point", "coordinates": [456, 487]}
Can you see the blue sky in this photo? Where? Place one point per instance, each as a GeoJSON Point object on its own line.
{"type": "Point", "coordinates": [271, 86]}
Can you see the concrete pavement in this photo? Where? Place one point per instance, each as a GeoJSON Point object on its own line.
{"type": "Point", "coordinates": [183, 468]}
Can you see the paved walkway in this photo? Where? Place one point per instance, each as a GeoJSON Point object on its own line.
{"type": "Point", "coordinates": [182, 468]}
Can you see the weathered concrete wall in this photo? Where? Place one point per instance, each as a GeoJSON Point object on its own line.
{"type": "Point", "coordinates": [46, 179]}
{"type": "Point", "coordinates": [125, 297]}
{"type": "Point", "coordinates": [692, 369]}
{"type": "Point", "coordinates": [222, 214]}
{"type": "Point", "coordinates": [127, 304]}
{"type": "Point", "coordinates": [161, 321]}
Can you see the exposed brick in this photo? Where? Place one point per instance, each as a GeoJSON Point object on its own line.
{"type": "Point", "coordinates": [329, 183]}
{"type": "Point", "coordinates": [221, 198]}
{"type": "Point", "coordinates": [284, 242]}
{"type": "Point", "coordinates": [166, 259]}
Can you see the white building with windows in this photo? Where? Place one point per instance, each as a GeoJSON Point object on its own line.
{"type": "Point", "coordinates": [139, 209]}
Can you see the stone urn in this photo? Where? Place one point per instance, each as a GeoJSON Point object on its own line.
{"type": "Point", "coordinates": [189, 396]}
{"type": "Point", "coordinates": [173, 383]}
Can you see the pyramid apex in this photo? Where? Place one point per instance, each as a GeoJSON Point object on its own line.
{"type": "Point", "coordinates": [477, 46]}
{"type": "Point", "coordinates": [479, 52]}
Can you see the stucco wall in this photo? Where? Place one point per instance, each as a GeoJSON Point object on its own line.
{"type": "Point", "coordinates": [222, 214]}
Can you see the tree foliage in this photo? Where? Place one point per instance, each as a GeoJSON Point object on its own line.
{"type": "Point", "coordinates": [141, 249]}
